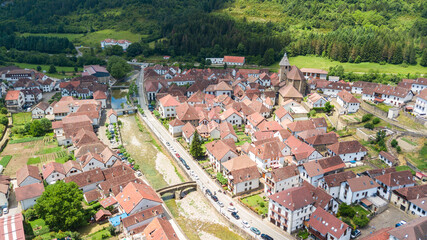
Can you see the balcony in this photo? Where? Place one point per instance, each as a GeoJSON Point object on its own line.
{"type": "Point", "coordinates": [316, 234]}
{"type": "Point", "coordinates": [283, 216]}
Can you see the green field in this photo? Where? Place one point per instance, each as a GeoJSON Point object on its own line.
{"type": "Point", "coordinates": [5, 160]}
{"type": "Point", "coordinates": [45, 67]}
{"type": "Point", "coordinates": [21, 118]}
{"type": "Point", "coordinates": [33, 160]}
{"type": "Point", "coordinates": [93, 39]}
{"type": "Point", "coordinates": [256, 203]}
{"type": "Point", "coordinates": [364, 67]}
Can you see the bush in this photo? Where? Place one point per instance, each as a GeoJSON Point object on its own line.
{"type": "Point", "coordinates": [345, 210]}
{"type": "Point", "coordinates": [398, 149]}
{"type": "Point", "coordinates": [30, 214]}
{"type": "Point", "coordinates": [361, 221]}
{"type": "Point", "coordinates": [4, 120]}
{"type": "Point", "coordinates": [376, 120]}
{"type": "Point", "coordinates": [221, 178]}
{"type": "Point", "coordinates": [369, 126]}
{"type": "Point", "coordinates": [394, 143]}
{"type": "Point", "coordinates": [367, 117]}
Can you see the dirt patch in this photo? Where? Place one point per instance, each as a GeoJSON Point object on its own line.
{"type": "Point", "coordinates": [407, 147]}
{"type": "Point", "coordinates": [194, 207]}
{"type": "Point", "coordinates": [206, 236]}
{"type": "Point", "coordinates": [20, 153]}
{"type": "Point", "coordinates": [165, 167]}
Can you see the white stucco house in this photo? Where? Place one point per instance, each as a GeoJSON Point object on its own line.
{"type": "Point", "coordinates": [348, 101]}
{"type": "Point", "coordinates": [355, 189]}
{"type": "Point", "coordinates": [28, 194]}
{"type": "Point", "coordinates": [348, 151]}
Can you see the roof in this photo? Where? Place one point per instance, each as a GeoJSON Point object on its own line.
{"type": "Point", "coordinates": [51, 167]}
{"type": "Point", "coordinates": [160, 229]}
{"type": "Point", "coordinates": [169, 101]}
{"type": "Point", "coordinates": [86, 178]}
{"type": "Point", "coordinates": [142, 216]}
{"type": "Point", "coordinates": [347, 147]}
{"type": "Point", "coordinates": [280, 174]}
{"type": "Point", "coordinates": [186, 112]}
{"type": "Point", "coordinates": [302, 125]}
{"type": "Point", "coordinates": [326, 223]}
{"type": "Point", "coordinates": [12, 227]}
{"type": "Point", "coordinates": [255, 118]}
{"type": "Point", "coordinates": [268, 149]}
{"type": "Point", "coordinates": [284, 61]}
{"type": "Point", "coordinates": [99, 95]}
{"type": "Point", "coordinates": [361, 183]}
{"type": "Point", "coordinates": [347, 97]}
{"type": "Point", "coordinates": [42, 105]}
{"type": "Point", "coordinates": [108, 202]}
{"type": "Point", "coordinates": [313, 70]}
{"type": "Point", "coordinates": [336, 179]}
{"type": "Point", "coordinates": [295, 74]}
{"type": "Point", "coordinates": [396, 178]}
{"type": "Point", "coordinates": [234, 59]}
{"type": "Point", "coordinates": [220, 148]}
{"type": "Point", "coordinates": [29, 191]}
{"type": "Point", "coordinates": [26, 171]}
{"type": "Point", "coordinates": [289, 91]}
{"type": "Point", "coordinates": [70, 165]}
{"type": "Point", "coordinates": [176, 122]}
{"type": "Point", "coordinates": [101, 213]}
{"type": "Point", "coordinates": [323, 139]}
{"type": "Point", "coordinates": [237, 163]}
{"type": "Point", "coordinates": [381, 234]}
{"type": "Point", "coordinates": [229, 112]}
{"type": "Point", "coordinates": [134, 193]}
{"type": "Point", "coordinates": [92, 195]}
{"type": "Point", "coordinates": [413, 192]}
{"type": "Point", "coordinates": [423, 94]}
{"type": "Point", "coordinates": [420, 202]}
{"type": "Point", "coordinates": [12, 95]}
{"type": "Point", "coordinates": [188, 130]}
{"type": "Point", "coordinates": [315, 97]}
{"type": "Point", "coordinates": [111, 112]}
{"type": "Point", "coordinates": [413, 230]}
{"type": "Point", "coordinates": [322, 166]}
{"type": "Point", "coordinates": [293, 198]}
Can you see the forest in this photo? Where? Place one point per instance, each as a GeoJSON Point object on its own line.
{"type": "Point", "coordinates": [382, 31]}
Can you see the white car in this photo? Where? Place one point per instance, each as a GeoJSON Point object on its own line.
{"type": "Point", "coordinates": [220, 204]}
{"type": "Point", "coordinates": [245, 224]}
{"type": "Point", "coordinates": [232, 209]}
{"type": "Point", "coordinates": [5, 211]}
{"type": "Point", "coordinates": [196, 177]}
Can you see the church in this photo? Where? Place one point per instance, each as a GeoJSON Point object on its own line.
{"type": "Point", "coordinates": [291, 76]}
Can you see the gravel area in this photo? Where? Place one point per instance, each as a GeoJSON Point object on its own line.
{"type": "Point", "coordinates": [165, 167]}
{"type": "Point", "coordinates": [194, 207]}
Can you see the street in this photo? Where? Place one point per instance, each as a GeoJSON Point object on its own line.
{"type": "Point", "coordinates": [205, 182]}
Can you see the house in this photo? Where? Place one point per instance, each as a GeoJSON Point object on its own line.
{"type": "Point", "coordinates": [13, 75]}
{"type": "Point", "coordinates": [142, 218]}
{"type": "Point", "coordinates": [13, 223]}
{"type": "Point", "coordinates": [421, 103]}
{"type": "Point", "coordinates": [269, 153]}
{"type": "Point", "coordinates": [32, 95]}
{"type": "Point", "coordinates": [41, 110]}
{"type": "Point", "coordinates": [188, 131]}
{"type": "Point", "coordinates": [15, 100]}
{"type": "Point", "coordinates": [112, 116]}
{"type": "Point", "coordinates": [111, 42]}
{"type": "Point", "coordinates": [159, 228]}
{"type": "Point", "coordinates": [53, 172]}
{"type": "Point", "coordinates": [418, 207]}
{"type": "Point", "coordinates": [101, 97]}
{"type": "Point", "coordinates": [87, 181]}
{"type": "Point", "coordinates": [319, 142]}
{"type": "Point", "coordinates": [222, 88]}
{"type": "Point", "coordinates": [46, 85]}
{"type": "Point", "coordinates": [92, 196]}
{"type": "Point", "coordinates": [280, 179]}
{"type": "Point", "coordinates": [175, 127]}
{"type": "Point", "coordinates": [219, 61]}
{"type": "Point", "coordinates": [332, 183]}
{"type": "Point", "coordinates": [242, 174]}
{"type": "Point", "coordinates": [28, 194]}
{"type": "Point", "coordinates": [187, 113]}
{"type": "Point", "coordinates": [395, 96]}
{"type": "Point", "coordinates": [167, 106]}
{"type": "Point", "coordinates": [26, 84]}
{"type": "Point", "coordinates": [232, 116]}
{"type": "Point", "coordinates": [348, 151]}
{"type": "Point", "coordinates": [234, 60]}
{"type": "Point", "coordinates": [324, 225]}
{"type": "Point", "coordinates": [253, 121]}
{"type": "Point", "coordinates": [280, 115]}
{"type": "Point", "coordinates": [289, 209]}
{"type": "Point", "coordinates": [72, 168]}
{"type": "Point", "coordinates": [415, 85]}
{"type": "Point", "coordinates": [220, 151]}
{"type": "Point", "coordinates": [413, 230]}
{"type": "Point", "coordinates": [316, 101]}
{"type": "Point", "coordinates": [359, 86]}
{"type": "Point", "coordinates": [401, 197]}
{"type": "Point", "coordinates": [27, 175]}
{"type": "Point", "coordinates": [301, 152]}
{"type": "Point", "coordinates": [137, 197]}
{"type": "Point", "coordinates": [355, 189]}
{"type": "Point", "coordinates": [333, 88]}
{"type": "Point", "coordinates": [5, 189]}
{"type": "Point", "coordinates": [260, 108]}
{"type": "Point", "coordinates": [388, 158]}
{"type": "Point", "coordinates": [289, 92]}
{"type": "Point", "coordinates": [314, 73]}
{"type": "Point", "coordinates": [348, 102]}
{"type": "Point", "coordinates": [227, 131]}
{"type": "Point", "coordinates": [313, 171]}
{"type": "Point", "coordinates": [91, 161]}
{"type": "Point", "coordinates": [392, 181]}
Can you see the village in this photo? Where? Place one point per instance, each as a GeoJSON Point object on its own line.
{"type": "Point", "coordinates": [293, 154]}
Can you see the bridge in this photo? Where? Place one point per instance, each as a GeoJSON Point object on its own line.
{"type": "Point", "coordinates": [177, 188]}
{"type": "Point", "coordinates": [123, 111]}
{"type": "Point", "coordinates": [119, 87]}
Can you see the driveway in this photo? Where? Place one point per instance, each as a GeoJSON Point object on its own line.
{"type": "Point", "coordinates": [388, 218]}
{"type": "Point", "coordinates": [14, 207]}
{"type": "Point", "coordinates": [47, 96]}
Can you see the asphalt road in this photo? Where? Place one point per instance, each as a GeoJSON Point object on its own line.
{"type": "Point", "coordinates": [204, 181]}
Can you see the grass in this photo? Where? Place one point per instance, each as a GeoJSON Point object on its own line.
{"type": "Point", "coordinates": [408, 122]}
{"type": "Point", "coordinates": [102, 234]}
{"type": "Point", "coordinates": [379, 163]}
{"type": "Point", "coordinates": [419, 159]}
{"type": "Point", "coordinates": [383, 107]}
{"type": "Point", "coordinates": [409, 141]}
{"type": "Point", "coordinates": [303, 234]}
{"type": "Point", "coordinates": [39, 227]}
{"type": "Point", "coordinates": [359, 169]}
{"type": "Point", "coordinates": [5, 160]}
{"type": "Point", "coordinates": [33, 160]}
{"type": "Point", "coordinates": [27, 139]}
{"type": "Point", "coordinates": [404, 168]}
{"type": "Point", "coordinates": [21, 118]}
{"type": "Point", "coordinates": [360, 210]}
{"type": "Point", "coordinates": [364, 67]}
{"type": "Point", "coordinates": [256, 203]}
{"type": "Point", "coordinates": [49, 150]}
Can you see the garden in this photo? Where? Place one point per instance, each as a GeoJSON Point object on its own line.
{"type": "Point", "coordinates": [256, 203]}
{"type": "Point", "coordinates": [354, 215]}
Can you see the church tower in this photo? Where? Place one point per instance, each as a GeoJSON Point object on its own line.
{"type": "Point", "coordinates": [285, 67]}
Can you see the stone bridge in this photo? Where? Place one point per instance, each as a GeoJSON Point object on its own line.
{"type": "Point", "coordinates": [177, 188]}
{"type": "Point", "coordinates": [123, 111]}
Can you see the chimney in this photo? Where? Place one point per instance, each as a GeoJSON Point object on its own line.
{"type": "Point", "coordinates": [342, 225]}
{"type": "Point", "coordinates": [121, 188]}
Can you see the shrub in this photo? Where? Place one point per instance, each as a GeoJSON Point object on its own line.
{"type": "Point", "coordinates": [376, 120]}
{"type": "Point", "coordinates": [30, 214]}
{"type": "Point", "coordinates": [398, 149]}
{"type": "Point", "coordinates": [394, 143]}
{"type": "Point", "coordinates": [369, 126]}
{"type": "Point", "coordinates": [345, 210]}
{"type": "Point", "coordinates": [361, 221]}
{"type": "Point", "coordinates": [367, 117]}
{"type": "Point", "coordinates": [221, 178]}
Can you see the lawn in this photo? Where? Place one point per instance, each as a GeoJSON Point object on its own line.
{"type": "Point", "coordinates": [24, 140]}
{"type": "Point", "coordinates": [360, 210]}
{"type": "Point", "coordinates": [5, 160]}
{"type": "Point", "coordinates": [49, 150]}
{"type": "Point", "coordinates": [21, 118]}
{"type": "Point", "coordinates": [256, 203]}
{"type": "Point", "coordinates": [39, 227]}
{"type": "Point", "coordinates": [359, 169]}
{"type": "Point", "coordinates": [405, 168]}
{"type": "Point", "coordinates": [409, 141]}
{"type": "Point", "coordinates": [408, 122]}
{"type": "Point", "coordinates": [33, 160]}
{"type": "Point", "coordinates": [364, 67]}
{"type": "Point", "coordinates": [419, 159]}
{"type": "Point", "coordinates": [383, 107]}
{"type": "Point", "coordinates": [102, 234]}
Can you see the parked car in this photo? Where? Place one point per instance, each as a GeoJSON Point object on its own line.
{"type": "Point", "coordinates": [232, 209]}
{"type": "Point", "coordinates": [187, 167]}
{"type": "Point", "coordinates": [177, 155]}
{"type": "Point", "coordinates": [5, 211]}
{"type": "Point", "coordinates": [208, 192]}
{"type": "Point", "coordinates": [255, 230]}
{"type": "Point", "coordinates": [167, 143]}
{"type": "Point", "coordinates": [234, 214]}
{"type": "Point", "coordinates": [400, 223]}
{"type": "Point", "coordinates": [138, 173]}
{"type": "Point", "coordinates": [355, 233]}
{"type": "Point", "coordinates": [214, 198]}
{"type": "Point", "coordinates": [266, 237]}
{"type": "Point", "coordinates": [220, 204]}
{"type": "Point", "coordinates": [245, 224]}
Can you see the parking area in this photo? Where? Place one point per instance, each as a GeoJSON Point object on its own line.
{"type": "Point", "coordinates": [388, 218]}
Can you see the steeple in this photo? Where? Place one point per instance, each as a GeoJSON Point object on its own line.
{"type": "Point", "coordinates": [285, 67]}
{"type": "Point", "coordinates": [285, 61]}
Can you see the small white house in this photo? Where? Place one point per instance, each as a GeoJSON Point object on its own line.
{"type": "Point", "coordinates": [348, 101]}
{"type": "Point", "coordinates": [167, 106]}
{"type": "Point", "coordinates": [232, 116]}
{"type": "Point", "coordinates": [175, 127]}
{"type": "Point", "coordinates": [388, 159]}
{"type": "Point", "coordinates": [112, 116]}
{"type": "Point", "coordinates": [280, 179]}
{"type": "Point", "coordinates": [348, 151]}
{"type": "Point", "coordinates": [355, 189]}
{"type": "Point", "coordinates": [242, 174]}
{"type": "Point", "coordinates": [53, 172]}
{"type": "Point", "coordinates": [316, 101]}
{"type": "Point", "coordinates": [421, 103]}
{"type": "Point", "coordinates": [28, 194]}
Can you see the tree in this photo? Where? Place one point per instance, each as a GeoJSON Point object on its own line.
{"type": "Point", "coordinates": [398, 149]}
{"type": "Point", "coordinates": [134, 50]}
{"type": "Point", "coordinates": [4, 120]}
{"type": "Point", "coordinates": [114, 50]}
{"type": "Point", "coordinates": [394, 143]}
{"type": "Point", "coordinates": [38, 68]}
{"type": "Point", "coordinates": [118, 67]}
{"type": "Point", "coordinates": [60, 206]}
{"type": "Point", "coordinates": [36, 129]}
{"type": "Point", "coordinates": [376, 120]}
{"type": "Point", "coordinates": [46, 124]}
{"type": "Point", "coordinates": [52, 69]}
{"type": "Point", "coordinates": [367, 117]}
{"type": "Point", "coordinates": [369, 126]}
{"type": "Point", "coordinates": [268, 57]}
{"type": "Point", "coordinates": [423, 61]}
{"type": "Point", "coordinates": [3, 110]}
{"type": "Point", "coordinates": [196, 149]}
{"type": "Point", "coordinates": [328, 107]}
{"type": "Point", "coordinates": [361, 220]}
{"type": "Point", "coordinates": [345, 210]}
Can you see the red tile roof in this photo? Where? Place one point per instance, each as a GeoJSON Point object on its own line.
{"type": "Point", "coordinates": [234, 59]}
{"type": "Point", "coordinates": [347, 147]}
{"type": "Point", "coordinates": [160, 229]}
{"type": "Point", "coordinates": [12, 227]}
{"type": "Point", "coordinates": [12, 95]}
{"type": "Point", "coordinates": [293, 198]}
{"type": "Point", "coordinates": [99, 95]}
{"type": "Point", "coordinates": [29, 191]}
{"type": "Point", "coordinates": [51, 167]}
{"type": "Point", "coordinates": [347, 97]}
{"type": "Point", "coordinates": [361, 183]}
{"type": "Point", "coordinates": [394, 179]}
{"type": "Point", "coordinates": [134, 193]}
{"type": "Point", "coordinates": [169, 101]}
{"type": "Point", "coordinates": [325, 223]}
{"type": "Point", "coordinates": [26, 171]}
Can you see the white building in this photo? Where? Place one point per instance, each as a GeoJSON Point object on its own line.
{"type": "Point", "coordinates": [328, 226]}
{"type": "Point", "coordinates": [348, 101]}
{"type": "Point", "coordinates": [314, 73]}
{"type": "Point", "coordinates": [332, 183]}
{"type": "Point", "coordinates": [348, 151]}
{"type": "Point", "coordinates": [111, 42]}
{"type": "Point", "coordinates": [280, 179]}
{"type": "Point", "coordinates": [418, 207]}
{"type": "Point", "coordinates": [392, 181]}
{"type": "Point", "coordinates": [316, 101]}
{"type": "Point", "coordinates": [355, 189]}
{"type": "Point", "coordinates": [175, 127]}
{"type": "Point", "coordinates": [220, 151]}
{"type": "Point", "coordinates": [216, 60]}
{"type": "Point", "coordinates": [167, 106]}
{"type": "Point", "coordinates": [388, 159]}
{"type": "Point", "coordinates": [232, 116]}
{"type": "Point", "coordinates": [28, 194]}
{"type": "Point", "coordinates": [242, 174]}
{"type": "Point", "coordinates": [137, 197]}
{"type": "Point", "coordinates": [421, 103]}
{"type": "Point", "coordinates": [53, 172]}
